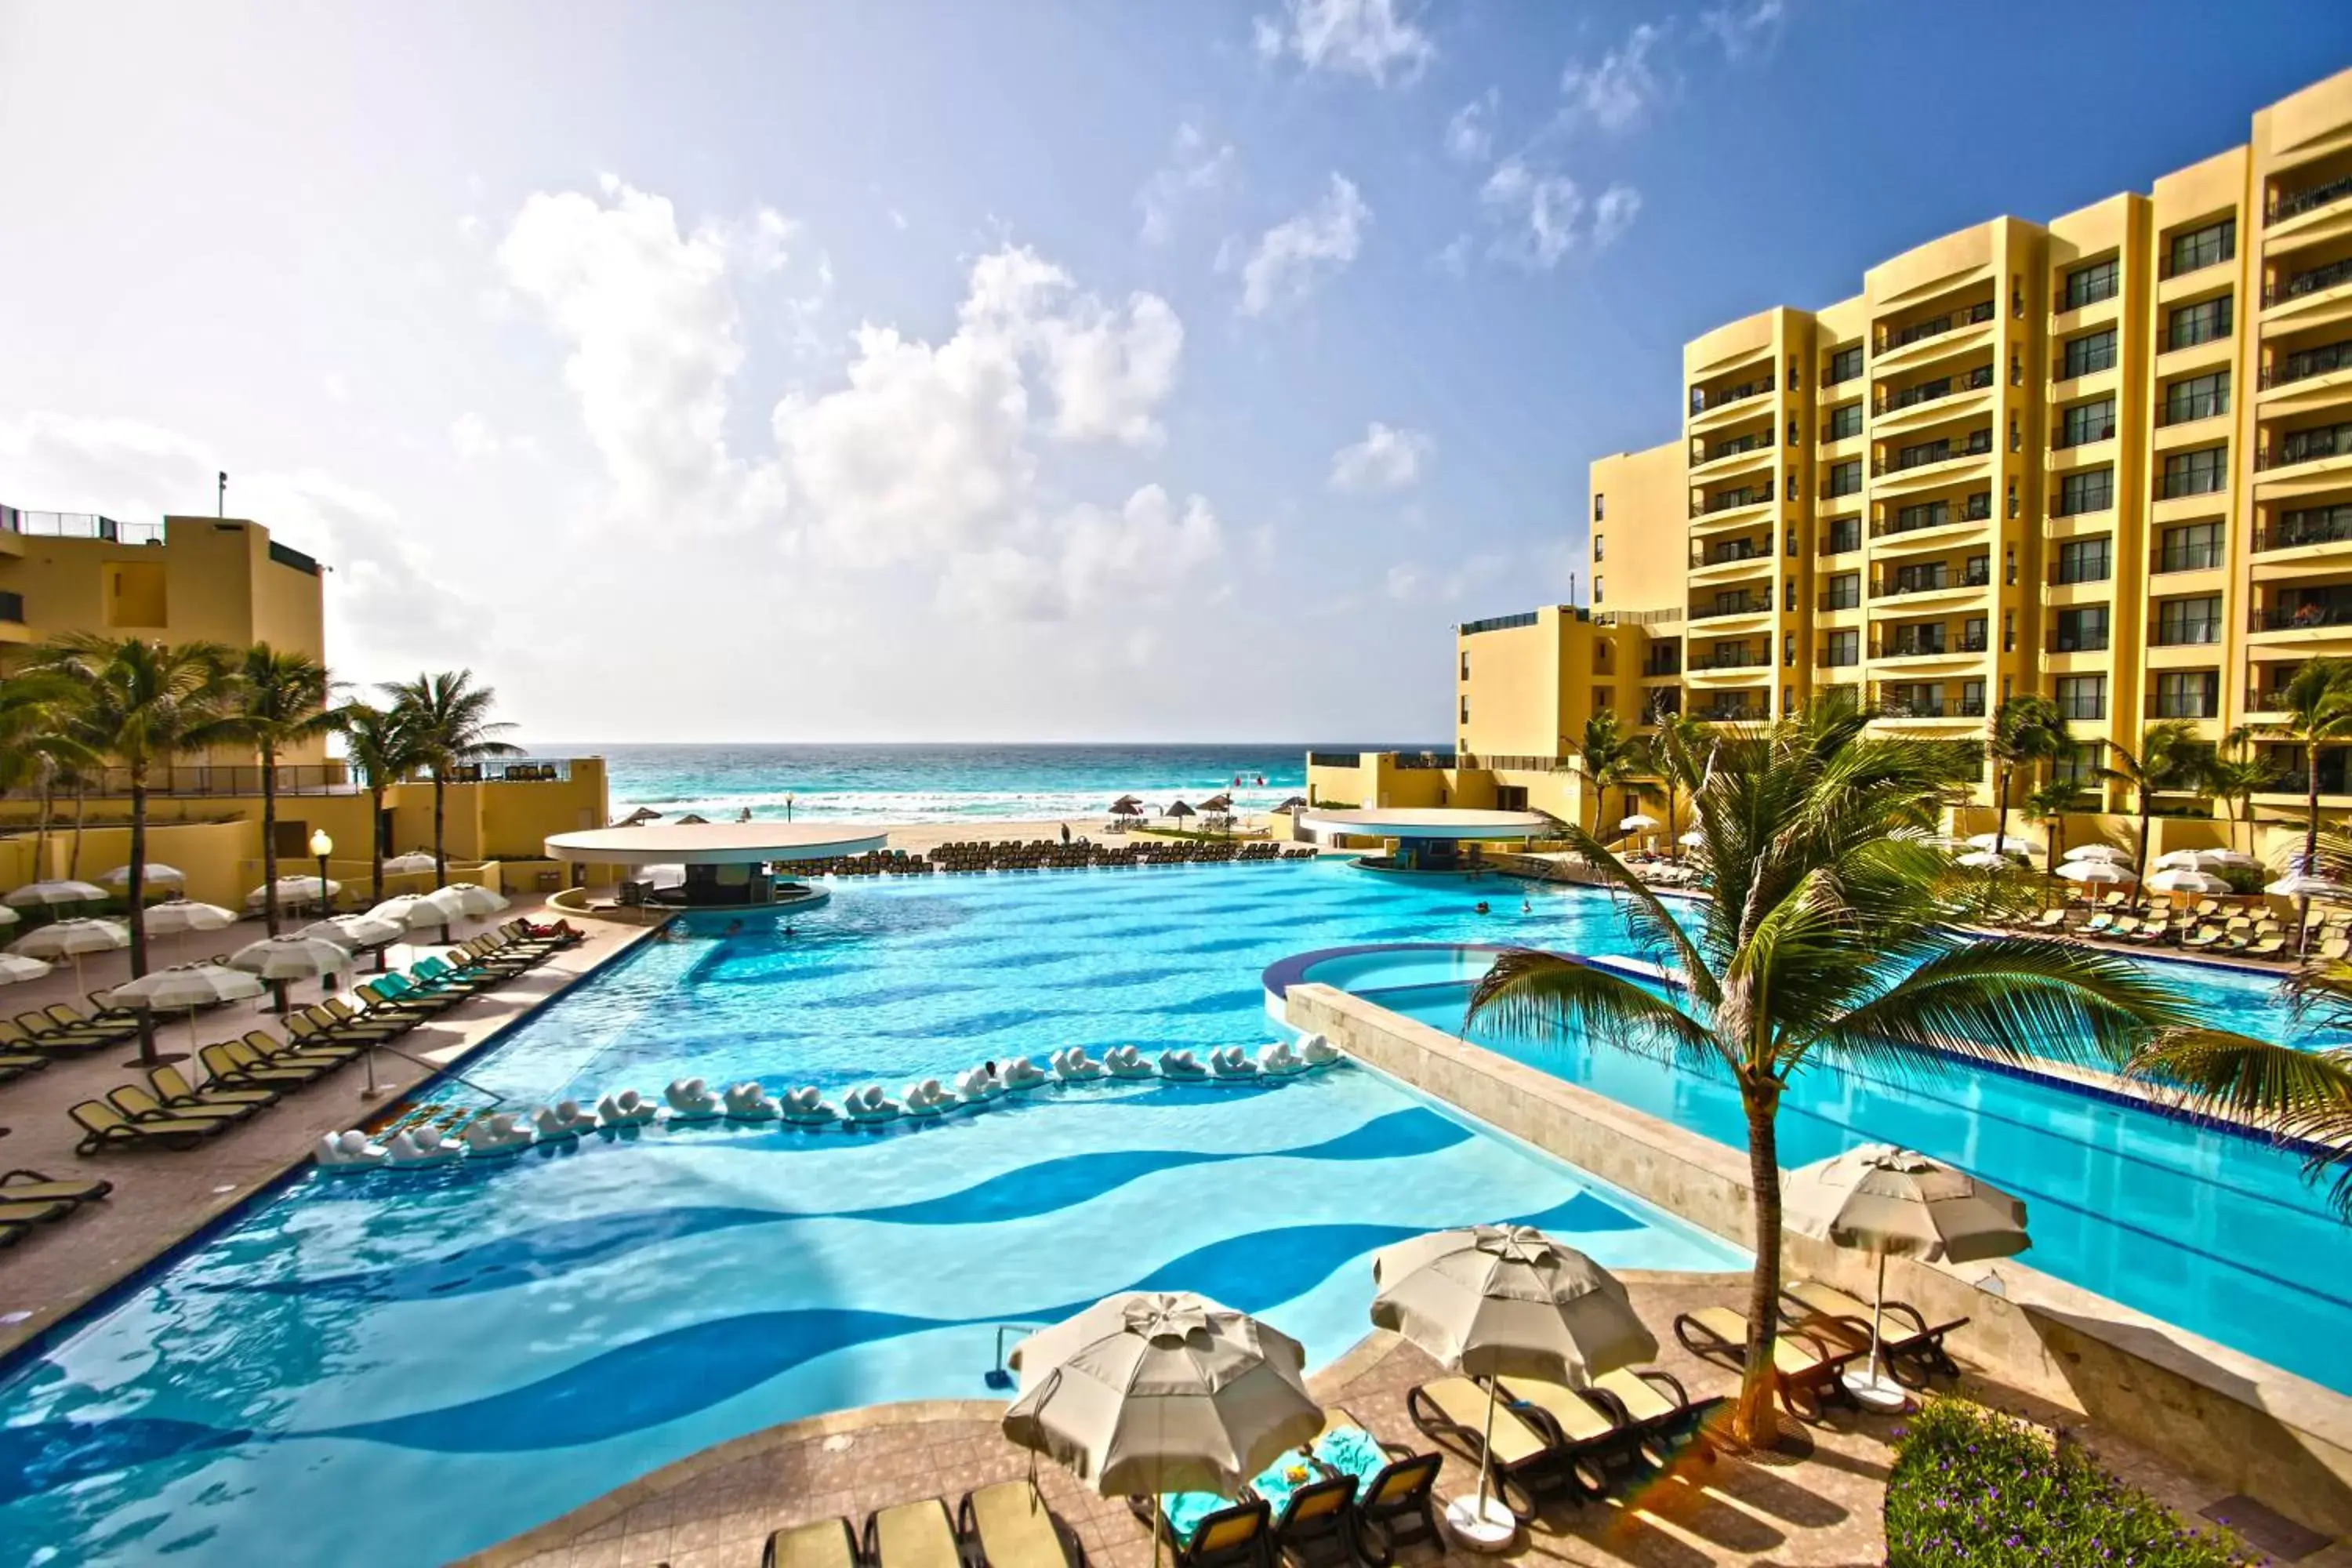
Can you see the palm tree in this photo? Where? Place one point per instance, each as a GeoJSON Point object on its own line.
{"type": "Point", "coordinates": [1611, 757]}
{"type": "Point", "coordinates": [2317, 702]}
{"type": "Point", "coordinates": [448, 718]}
{"type": "Point", "coordinates": [1679, 750]}
{"type": "Point", "coordinates": [2234, 775]}
{"type": "Point", "coordinates": [2170, 757]}
{"type": "Point", "coordinates": [41, 746]}
{"type": "Point", "coordinates": [1823, 943]}
{"type": "Point", "coordinates": [279, 700]}
{"type": "Point", "coordinates": [2049, 803]}
{"type": "Point", "coordinates": [2025, 731]}
{"type": "Point", "coordinates": [383, 751]}
{"type": "Point", "coordinates": [144, 706]}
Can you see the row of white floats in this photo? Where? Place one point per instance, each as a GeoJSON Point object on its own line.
{"type": "Point", "coordinates": [690, 1099]}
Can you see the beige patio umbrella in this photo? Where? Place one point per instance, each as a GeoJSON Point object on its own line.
{"type": "Point", "coordinates": [1161, 1391]}
{"type": "Point", "coordinates": [1505, 1300]}
{"type": "Point", "coordinates": [1895, 1201]}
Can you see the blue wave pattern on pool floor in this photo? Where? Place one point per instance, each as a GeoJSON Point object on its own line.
{"type": "Point", "coordinates": [512, 1340]}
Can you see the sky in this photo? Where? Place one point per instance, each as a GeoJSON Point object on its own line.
{"type": "Point", "coordinates": [1012, 371]}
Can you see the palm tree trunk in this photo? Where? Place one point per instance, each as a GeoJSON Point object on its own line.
{"type": "Point", "coordinates": [440, 852]}
{"type": "Point", "coordinates": [2001, 814]}
{"type": "Point", "coordinates": [1755, 1423]}
{"type": "Point", "coordinates": [2310, 840]}
{"type": "Point", "coordinates": [376, 841]}
{"type": "Point", "coordinates": [269, 839]}
{"type": "Point", "coordinates": [2140, 861]}
{"type": "Point", "coordinates": [82, 807]}
{"type": "Point", "coordinates": [41, 831]}
{"type": "Point", "coordinates": [138, 890]}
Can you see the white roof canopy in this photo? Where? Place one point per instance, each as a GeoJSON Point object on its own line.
{"type": "Point", "coordinates": [711, 843]}
{"type": "Point", "coordinates": [1429, 822]}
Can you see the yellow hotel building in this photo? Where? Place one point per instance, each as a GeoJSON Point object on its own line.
{"type": "Point", "coordinates": [2106, 458]}
{"type": "Point", "coordinates": [227, 580]}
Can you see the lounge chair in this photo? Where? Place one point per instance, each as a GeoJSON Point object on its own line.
{"type": "Point", "coordinates": [1316, 1524]}
{"type": "Point", "coordinates": [320, 1024]}
{"type": "Point", "coordinates": [16, 1064]}
{"type": "Point", "coordinates": [1397, 1506]}
{"type": "Point", "coordinates": [2334, 947]}
{"type": "Point", "coordinates": [2202, 937]}
{"type": "Point", "coordinates": [2153, 932]}
{"type": "Point", "coordinates": [821, 1543]}
{"type": "Point", "coordinates": [1597, 1446]}
{"type": "Point", "coordinates": [140, 1105]}
{"type": "Point", "coordinates": [1232, 1537]}
{"type": "Point", "coordinates": [67, 1016]}
{"type": "Point", "coordinates": [2207, 909]}
{"type": "Point", "coordinates": [2099, 924]}
{"type": "Point", "coordinates": [31, 1187]}
{"type": "Point", "coordinates": [2115, 901]}
{"type": "Point", "coordinates": [172, 1090]}
{"type": "Point", "coordinates": [2266, 947]}
{"type": "Point", "coordinates": [107, 1128]}
{"type": "Point", "coordinates": [18, 1218]}
{"type": "Point", "coordinates": [1913, 1350]}
{"type": "Point", "coordinates": [46, 1033]}
{"type": "Point", "coordinates": [1008, 1525]}
{"type": "Point", "coordinates": [232, 1064]}
{"type": "Point", "coordinates": [1451, 1411]}
{"type": "Point", "coordinates": [2049, 920]}
{"type": "Point", "coordinates": [307, 1035]}
{"type": "Point", "coordinates": [1664, 1418]}
{"type": "Point", "coordinates": [414, 1004]}
{"type": "Point", "coordinates": [2121, 926]}
{"type": "Point", "coordinates": [274, 1051]}
{"type": "Point", "coordinates": [912, 1535]}
{"type": "Point", "coordinates": [1805, 1368]}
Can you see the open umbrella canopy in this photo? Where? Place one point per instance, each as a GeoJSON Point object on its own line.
{"type": "Point", "coordinates": [1149, 1392]}
{"type": "Point", "coordinates": [1882, 1198]}
{"type": "Point", "coordinates": [1499, 1300]}
{"type": "Point", "coordinates": [290, 958]}
{"type": "Point", "coordinates": [2108, 852]}
{"type": "Point", "coordinates": [408, 865]}
{"type": "Point", "coordinates": [49, 895]}
{"type": "Point", "coordinates": [185, 985]}
{"type": "Point", "coordinates": [413, 912]}
{"type": "Point", "coordinates": [154, 874]}
{"type": "Point", "coordinates": [1694, 840]}
{"type": "Point", "coordinates": [174, 916]}
{"type": "Point", "coordinates": [2293, 885]}
{"type": "Point", "coordinates": [693, 818]}
{"type": "Point", "coordinates": [2187, 879]}
{"type": "Point", "coordinates": [1639, 822]}
{"type": "Point", "coordinates": [2204, 859]}
{"type": "Point", "coordinates": [9, 917]}
{"type": "Point", "coordinates": [1985, 860]}
{"type": "Point", "coordinates": [68, 938]}
{"type": "Point", "coordinates": [15, 968]}
{"type": "Point", "coordinates": [1295, 803]}
{"type": "Point", "coordinates": [1126, 806]}
{"type": "Point", "coordinates": [1218, 803]}
{"type": "Point", "coordinates": [352, 933]}
{"type": "Point", "coordinates": [468, 899]}
{"type": "Point", "coordinates": [2094, 871]}
{"type": "Point", "coordinates": [2005, 844]}
{"type": "Point", "coordinates": [1179, 808]}
{"type": "Point", "coordinates": [295, 890]}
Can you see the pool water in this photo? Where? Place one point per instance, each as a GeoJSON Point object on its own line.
{"type": "Point", "coordinates": [479, 1350]}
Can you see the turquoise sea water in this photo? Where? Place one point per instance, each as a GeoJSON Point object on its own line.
{"type": "Point", "coordinates": [938, 784]}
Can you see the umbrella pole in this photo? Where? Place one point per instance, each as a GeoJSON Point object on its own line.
{"type": "Point", "coordinates": [1155, 1527]}
{"type": "Point", "coordinates": [1877, 1312]}
{"type": "Point", "coordinates": [1487, 1451]}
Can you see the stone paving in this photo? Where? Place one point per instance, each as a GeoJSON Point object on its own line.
{"type": "Point", "coordinates": [163, 1196]}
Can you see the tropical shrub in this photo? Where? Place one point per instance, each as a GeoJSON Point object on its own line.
{"type": "Point", "coordinates": [1971, 1486]}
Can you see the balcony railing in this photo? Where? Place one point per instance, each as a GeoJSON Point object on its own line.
{"type": "Point", "coordinates": [1927, 648]}
{"type": "Point", "coordinates": [2304, 363]}
{"type": "Point", "coordinates": [308, 778]}
{"type": "Point", "coordinates": [1942, 582]}
{"type": "Point", "coordinates": [1756, 441]}
{"type": "Point", "coordinates": [1893, 707]}
{"type": "Point", "coordinates": [2285, 204]}
{"type": "Point", "coordinates": [2300, 616]}
{"type": "Point", "coordinates": [1920, 331]}
{"type": "Point", "coordinates": [1516, 764]}
{"type": "Point", "coordinates": [1745, 660]}
{"type": "Point", "coordinates": [1701, 402]}
{"type": "Point", "coordinates": [2202, 479]}
{"type": "Point", "coordinates": [1979, 444]}
{"type": "Point", "coordinates": [2063, 575]}
{"type": "Point", "coordinates": [1977, 508]}
{"type": "Point", "coordinates": [2188, 705]}
{"type": "Point", "coordinates": [2083, 641]}
{"type": "Point", "coordinates": [2311, 280]}
{"type": "Point", "coordinates": [2307, 446]}
{"type": "Point", "coordinates": [1747, 604]}
{"type": "Point", "coordinates": [2071, 298]}
{"type": "Point", "coordinates": [2321, 525]}
{"type": "Point", "coordinates": [1703, 555]}
{"type": "Point", "coordinates": [2186, 558]}
{"type": "Point", "coordinates": [78, 525]}
{"type": "Point", "coordinates": [1929, 391]}
{"type": "Point", "coordinates": [1730, 714]}
{"type": "Point", "coordinates": [1421, 761]}
{"type": "Point", "coordinates": [1499, 622]}
{"type": "Point", "coordinates": [2190, 409]}
{"type": "Point", "coordinates": [1653, 668]}
{"type": "Point", "coordinates": [1730, 501]}
{"type": "Point", "coordinates": [1850, 599]}
{"type": "Point", "coordinates": [2270, 701]}
{"type": "Point", "coordinates": [11, 609]}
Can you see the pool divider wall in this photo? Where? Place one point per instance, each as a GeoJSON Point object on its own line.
{"type": "Point", "coordinates": [2245, 1425]}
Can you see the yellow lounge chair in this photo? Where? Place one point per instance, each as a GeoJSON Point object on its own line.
{"type": "Point", "coordinates": [31, 1187]}
{"type": "Point", "coordinates": [1596, 1447]}
{"type": "Point", "coordinates": [172, 1090]}
{"type": "Point", "coordinates": [821, 1543]}
{"type": "Point", "coordinates": [106, 1128]}
{"type": "Point", "coordinates": [1526, 1462]}
{"type": "Point", "coordinates": [18, 1219]}
{"type": "Point", "coordinates": [143, 1105]}
{"type": "Point", "coordinates": [912, 1535]}
{"type": "Point", "coordinates": [1907, 1342]}
{"type": "Point", "coordinates": [1805, 1369]}
{"type": "Point", "coordinates": [1008, 1525]}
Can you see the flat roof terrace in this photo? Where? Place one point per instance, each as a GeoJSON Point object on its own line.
{"type": "Point", "coordinates": [1428, 822]}
{"type": "Point", "coordinates": [711, 843]}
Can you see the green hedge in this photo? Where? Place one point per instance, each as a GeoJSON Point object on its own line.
{"type": "Point", "coordinates": [1973, 1487]}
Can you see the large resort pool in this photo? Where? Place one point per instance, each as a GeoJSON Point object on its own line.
{"type": "Point", "coordinates": [496, 1345]}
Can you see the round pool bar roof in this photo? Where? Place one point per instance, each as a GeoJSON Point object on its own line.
{"type": "Point", "coordinates": [1429, 822]}
{"type": "Point", "coordinates": [711, 843]}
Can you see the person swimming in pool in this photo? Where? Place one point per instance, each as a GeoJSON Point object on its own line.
{"type": "Point", "coordinates": [1484, 907]}
{"type": "Point", "coordinates": [1527, 908]}
{"type": "Point", "coordinates": [735, 927]}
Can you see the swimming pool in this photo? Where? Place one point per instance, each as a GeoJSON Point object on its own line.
{"type": "Point", "coordinates": [486, 1348]}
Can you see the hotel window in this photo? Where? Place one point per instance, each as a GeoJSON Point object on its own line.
{"type": "Point", "coordinates": [2312, 525]}
{"type": "Point", "coordinates": [1973, 635]}
{"type": "Point", "coordinates": [2198, 397]}
{"type": "Point", "coordinates": [2083, 696]}
{"type": "Point", "coordinates": [1926, 514]}
{"type": "Point", "coordinates": [1844, 420]}
{"type": "Point", "coordinates": [1845, 533]}
{"type": "Point", "coordinates": [1843, 593]}
{"type": "Point", "coordinates": [1842, 649]}
{"type": "Point", "coordinates": [2086, 559]}
{"type": "Point", "coordinates": [2077, 764]}
{"type": "Point", "coordinates": [1466, 663]}
{"type": "Point", "coordinates": [1465, 709]}
{"type": "Point", "coordinates": [2195, 473]}
{"type": "Point", "coordinates": [2198, 323]}
{"type": "Point", "coordinates": [2091, 351]}
{"type": "Point", "coordinates": [2179, 622]}
{"type": "Point", "coordinates": [2207, 246]}
{"type": "Point", "coordinates": [2093, 490]}
{"type": "Point", "coordinates": [1600, 507]}
{"type": "Point", "coordinates": [1846, 478]}
{"type": "Point", "coordinates": [1599, 548]}
{"type": "Point", "coordinates": [1599, 590]}
{"type": "Point", "coordinates": [1845, 364]}
{"type": "Point", "coordinates": [2086, 422]}
{"type": "Point", "coordinates": [2189, 694]}
{"type": "Point", "coordinates": [2192, 547]}
{"type": "Point", "coordinates": [2089, 285]}
{"type": "Point", "coordinates": [2080, 630]}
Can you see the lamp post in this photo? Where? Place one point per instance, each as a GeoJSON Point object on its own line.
{"type": "Point", "coordinates": [322, 845]}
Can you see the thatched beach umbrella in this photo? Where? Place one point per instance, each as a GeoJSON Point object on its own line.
{"type": "Point", "coordinates": [1295, 803]}
{"type": "Point", "coordinates": [1179, 809]}
{"type": "Point", "coordinates": [1126, 806]}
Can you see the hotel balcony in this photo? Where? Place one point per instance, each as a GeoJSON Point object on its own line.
{"type": "Point", "coordinates": [1840, 536]}
{"type": "Point", "coordinates": [1729, 560]}
{"type": "Point", "coordinates": [1732, 605]}
{"type": "Point", "coordinates": [2303, 542]}
{"type": "Point", "coordinates": [2306, 463]}
{"type": "Point", "coordinates": [1923, 342]}
{"type": "Point", "coordinates": [1934, 524]}
{"type": "Point", "coordinates": [2194, 699]}
{"type": "Point", "coordinates": [1921, 583]}
{"type": "Point", "coordinates": [2315, 614]}
{"type": "Point", "coordinates": [1927, 645]}
{"type": "Point", "coordinates": [1719, 404]}
{"type": "Point", "coordinates": [2305, 373]}
{"type": "Point", "coordinates": [1914, 703]}
{"type": "Point", "coordinates": [2308, 214]}
{"type": "Point", "coordinates": [1722, 664]}
{"type": "Point", "coordinates": [2314, 295]}
{"type": "Point", "coordinates": [1741, 506]}
{"type": "Point", "coordinates": [1925, 465]}
{"type": "Point", "coordinates": [1752, 452]}
{"type": "Point", "coordinates": [1731, 708]}
{"type": "Point", "coordinates": [1922, 403]}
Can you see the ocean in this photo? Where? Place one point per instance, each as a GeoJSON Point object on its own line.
{"type": "Point", "coordinates": [917, 783]}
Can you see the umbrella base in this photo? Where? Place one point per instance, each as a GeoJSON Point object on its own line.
{"type": "Point", "coordinates": [1876, 1391]}
{"type": "Point", "coordinates": [1490, 1530]}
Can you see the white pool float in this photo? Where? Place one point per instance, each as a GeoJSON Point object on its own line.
{"type": "Point", "coordinates": [1232, 1064]}
{"type": "Point", "coordinates": [979, 1084]}
{"type": "Point", "coordinates": [1074, 1066]}
{"type": "Point", "coordinates": [868, 1106]}
{"type": "Point", "coordinates": [928, 1097]}
{"type": "Point", "coordinates": [497, 1134]}
{"type": "Point", "coordinates": [347, 1152]}
{"type": "Point", "coordinates": [421, 1145]}
{"type": "Point", "coordinates": [1126, 1062]}
{"type": "Point", "coordinates": [562, 1120]}
{"type": "Point", "coordinates": [690, 1099]}
{"type": "Point", "coordinates": [1280, 1060]}
{"type": "Point", "coordinates": [803, 1107]}
{"type": "Point", "coordinates": [749, 1102]}
{"type": "Point", "coordinates": [625, 1108]}
{"type": "Point", "coordinates": [1020, 1075]}
{"type": "Point", "coordinates": [1318, 1052]}
{"type": "Point", "coordinates": [1180, 1066]}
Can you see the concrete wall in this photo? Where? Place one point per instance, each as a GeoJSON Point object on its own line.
{"type": "Point", "coordinates": [2246, 1426]}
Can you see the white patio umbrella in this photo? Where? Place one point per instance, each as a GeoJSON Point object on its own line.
{"type": "Point", "coordinates": [1152, 1391]}
{"type": "Point", "coordinates": [49, 895]}
{"type": "Point", "coordinates": [1892, 1200]}
{"type": "Point", "coordinates": [279, 959]}
{"type": "Point", "coordinates": [2205, 859]}
{"type": "Point", "coordinates": [2007, 844]}
{"type": "Point", "coordinates": [2296, 884]}
{"type": "Point", "coordinates": [468, 899]}
{"type": "Point", "coordinates": [174, 916]}
{"type": "Point", "coordinates": [186, 986]}
{"type": "Point", "coordinates": [408, 865]}
{"type": "Point", "coordinates": [2186, 879]}
{"type": "Point", "coordinates": [2095, 872]}
{"type": "Point", "coordinates": [71, 939]}
{"type": "Point", "coordinates": [1504, 1300]}
{"type": "Point", "coordinates": [2096, 852]}
{"type": "Point", "coordinates": [13, 969]}
{"type": "Point", "coordinates": [1692, 839]}
{"type": "Point", "coordinates": [155, 873]}
{"type": "Point", "coordinates": [413, 912]}
{"type": "Point", "coordinates": [296, 890]}
{"type": "Point", "coordinates": [352, 933]}
{"type": "Point", "coordinates": [8, 917]}
{"type": "Point", "coordinates": [1985, 860]}
{"type": "Point", "coordinates": [1639, 822]}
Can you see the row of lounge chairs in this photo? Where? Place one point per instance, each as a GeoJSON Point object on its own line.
{"type": "Point", "coordinates": [28, 1198]}
{"type": "Point", "coordinates": [35, 1039]}
{"type": "Point", "coordinates": [2204, 929]}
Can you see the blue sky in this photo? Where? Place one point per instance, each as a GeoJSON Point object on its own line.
{"type": "Point", "coordinates": [1005, 370]}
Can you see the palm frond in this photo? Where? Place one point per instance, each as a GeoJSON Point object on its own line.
{"type": "Point", "coordinates": [1654, 924]}
{"type": "Point", "coordinates": [2306, 1095]}
{"type": "Point", "coordinates": [1543, 996]}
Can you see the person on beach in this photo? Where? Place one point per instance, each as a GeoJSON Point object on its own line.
{"type": "Point", "coordinates": [1066, 833]}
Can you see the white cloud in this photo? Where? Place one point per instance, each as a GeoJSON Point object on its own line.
{"type": "Point", "coordinates": [336, 386]}
{"type": "Point", "coordinates": [1088, 562]}
{"type": "Point", "coordinates": [1453, 260]}
{"type": "Point", "coordinates": [1619, 91]}
{"type": "Point", "coordinates": [1292, 257]}
{"type": "Point", "coordinates": [471, 437]}
{"type": "Point", "coordinates": [1744, 32]}
{"type": "Point", "coordinates": [1470, 134]}
{"type": "Point", "coordinates": [1387, 458]}
{"type": "Point", "coordinates": [1410, 583]}
{"type": "Point", "coordinates": [1535, 213]}
{"type": "Point", "coordinates": [1363, 37]}
{"type": "Point", "coordinates": [1193, 171]}
{"type": "Point", "coordinates": [1613, 213]}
